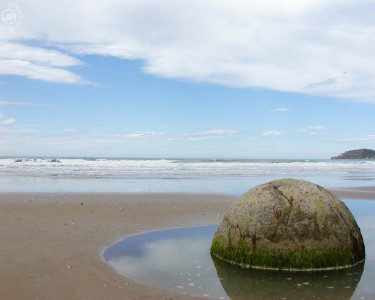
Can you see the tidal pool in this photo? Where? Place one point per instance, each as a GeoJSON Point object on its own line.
{"type": "Point", "coordinates": [179, 260]}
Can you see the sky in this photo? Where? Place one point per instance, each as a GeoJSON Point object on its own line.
{"type": "Point", "coordinates": [169, 79]}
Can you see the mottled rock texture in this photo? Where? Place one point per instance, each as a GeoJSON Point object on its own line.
{"type": "Point", "coordinates": [289, 224]}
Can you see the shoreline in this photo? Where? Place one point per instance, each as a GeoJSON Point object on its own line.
{"type": "Point", "coordinates": [52, 242]}
{"type": "Point", "coordinates": [355, 193]}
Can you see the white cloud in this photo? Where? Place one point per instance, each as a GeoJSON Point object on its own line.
{"type": "Point", "coordinates": [16, 133]}
{"type": "Point", "coordinates": [190, 136]}
{"type": "Point", "coordinates": [21, 103]}
{"type": "Point", "coordinates": [321, 47]}
{"type": "Point", "coordinates": [124, 136]}
{"type": "Point", "coordinates": [319, 127]}
{"type": "Point", "coordinates": [37, 63]}
{"type": "Point", "coordinates": [272, 132]}
{"type": "Point", "coordinates": [369, 137]}
{"type": "Point", "coordinates": [38, 72]}
{"type": "Point", "coordinates": [313, 130]}
{"type": "Point", "coordinates": [133, 135]}
{"type": "Point", "coordinates": [317, 133]}
{"type": "Point", "coordinates": [8, 121]}
{"type": "Point", "coordinates": [17, 51]}
{"type": "Point", "coordinates": [209, 134]}
{"type": "Point", "coordinates": [281, 109]}
{"type": "Point", "coordinates": [140, 134]}
{"type": "Point", "coordinates": [25, 141]}
{"type": "Point", "coordinates": [69, 129]}
{"type": "Point", "coordinates": [218, 132]}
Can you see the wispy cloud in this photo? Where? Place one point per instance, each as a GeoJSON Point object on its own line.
{"type": "Point", "coordinates": [37, 55]}
{"type": "Point", "coordinates": [3, 103]}
{"type": "Point", "coordinates": [319, 127]}
{"type": "Point", "coordinates": [39, 72]}
{"type": "Point", "coordinates": [38, 63]}
{"type": "Point", "coordinates": [218, 132]}
{"type": "Point", "coordinates": [313, 130]}
{"type": "Point", "coordinates": [137, 144]}
{"type": "Point", "coordinates": [18, 132]}
{"type": "Point", "coordinates": [369, 137]}
{"type": "Point", "coordinates": [209, 134]}
{"type": "Point", "coordinates": [328, 81]}
{"type": "Point", "coordinates": [140, 134]}
{"type": "Point", "coordinates": [69, 129]}
{"type": "Point", "coordinates": [272, 133]}
{"type": "Point", "coordinates": [173, 44]}
{"type": "Point", "coordinates": [133, 136]}
{"type": "Point", "coordinates": [280, 109]}
{"type": "Point", "coordinates": [8, 121]}
{"type": "Point", "coordinates": [125, 136]}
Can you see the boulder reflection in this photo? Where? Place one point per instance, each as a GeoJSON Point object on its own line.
{"type": "Point", "coordinates": [241, 283]}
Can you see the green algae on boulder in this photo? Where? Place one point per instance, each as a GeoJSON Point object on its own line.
{"type": "Point", "coordinates": [289, 224]}
{"type": "Point", "coordinates": [241, 283]}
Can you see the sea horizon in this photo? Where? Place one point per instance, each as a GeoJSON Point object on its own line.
{"type": "Point", "coordinates": [213, 158]}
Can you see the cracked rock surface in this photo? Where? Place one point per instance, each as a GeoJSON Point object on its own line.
{"type": "Point", "coordinates": [287, 216]}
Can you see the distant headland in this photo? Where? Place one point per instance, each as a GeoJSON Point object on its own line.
{"type": "Point", "coordinates": [356, 154]}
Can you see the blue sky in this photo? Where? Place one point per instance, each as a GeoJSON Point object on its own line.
{"type": "Point", "coordinates": [292, 82]}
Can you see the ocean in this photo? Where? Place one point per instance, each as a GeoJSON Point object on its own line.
{"type": "Point", "coordinates": [124, 175]}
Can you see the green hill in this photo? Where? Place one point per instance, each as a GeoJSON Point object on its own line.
{"type": "Point", "coordinates": [356, 154]}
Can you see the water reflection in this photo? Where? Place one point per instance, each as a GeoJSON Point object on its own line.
{"type": "Point", "coordinates": [179, 260]}
{"type": "Point", "coordinates": [184, 184]}
{"type": "Point", "coordinates": [240, 283]}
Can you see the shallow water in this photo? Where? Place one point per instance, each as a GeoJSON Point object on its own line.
{"type": "Point", "coordinates": [179, 260]}
{"type": "Point", "coordinates": [234, 185]}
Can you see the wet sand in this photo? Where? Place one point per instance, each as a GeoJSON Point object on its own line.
{"type": "Point", "coordinates": [50, 244]}
{"type": "Point", "coordinates": [365, 193]}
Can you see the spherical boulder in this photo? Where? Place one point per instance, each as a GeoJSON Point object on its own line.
{"type": "Point", "coordinates": [289, 224]}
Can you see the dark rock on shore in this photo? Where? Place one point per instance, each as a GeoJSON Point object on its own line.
{"type": "Point", "coordinates": [356, 154]}
{"type": "Point", "coordinates": [289, 224]}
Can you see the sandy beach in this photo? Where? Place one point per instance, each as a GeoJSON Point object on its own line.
{"type": "Point", "coordinates": [51, 243]}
